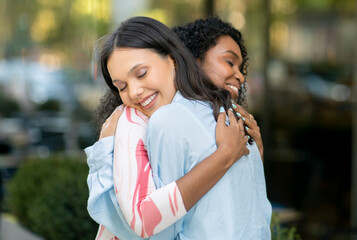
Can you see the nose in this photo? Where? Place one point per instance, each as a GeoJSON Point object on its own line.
{"type": "Point", "coordinates": [239, 76]}
{"type": "Point", "coordinates": [135, 90]}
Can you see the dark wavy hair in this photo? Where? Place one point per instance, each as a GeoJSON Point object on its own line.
{"type": "Point", "coordinates": [201, 35]}
{"type": "Point", "coordinates": [148, 33]}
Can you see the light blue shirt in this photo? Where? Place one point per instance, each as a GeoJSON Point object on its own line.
{"type": "Point", "coordinates": [102, 205]}
{"type": "Point", "coordinates": [179, 136]}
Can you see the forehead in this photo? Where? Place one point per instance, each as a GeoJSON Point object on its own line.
{"type": "Point", "coordinates": [122, 60]}
{"type": "Point", "coordinates": [223, 44]}
{"type": "Point", "coordinates": [130, 54]}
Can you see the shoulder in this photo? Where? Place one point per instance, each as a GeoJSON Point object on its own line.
{"type": "Point", "coordinates": [132, 116]}
{"type": "Point", "coordinates": [172, 117]}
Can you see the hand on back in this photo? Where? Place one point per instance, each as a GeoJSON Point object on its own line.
{"type": "Point", "coordinates": [252, 127]}
{"type": "Point", "coordinates": [110, 125]}
{"type": "Point", "coordinates": [231, 140]}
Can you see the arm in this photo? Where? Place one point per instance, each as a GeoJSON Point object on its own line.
{"type": "Point", "coordinates": [102, 204]}
{"type": "Point", "coordinates": [149, 210]}
{"type": "Point", "coordinates": [167, 196]}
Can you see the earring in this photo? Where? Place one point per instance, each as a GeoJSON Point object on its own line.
{"type": "Point", "coordinates": [173, 69]}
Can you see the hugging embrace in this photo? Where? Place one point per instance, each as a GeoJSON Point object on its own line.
{"type": "Point", "coordinates": [180, 158]}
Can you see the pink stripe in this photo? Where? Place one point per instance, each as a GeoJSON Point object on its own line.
{"type": "Point", "coordinates": [148, 212]}
{"type": "Point", "coordinates": [172, 206]}
{"type": "Point", "coordinates": [101, 230]}
{"type": "Point", "coordinates": [137, 113]}
{"type": "Point", "coordinates": [151, 216]}
{"type": "Point", "coordinates": [128, 116]}
{"type": "Point", "coordinates": [175, 198]}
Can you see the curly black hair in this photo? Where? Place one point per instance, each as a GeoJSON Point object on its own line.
{"type": "Point", "coordinates": [201, 35]}
{"type": "Point", "coordinates": [107, 104]}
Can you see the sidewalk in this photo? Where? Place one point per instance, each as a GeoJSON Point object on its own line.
{"type": "Point", "coordinates": [10, 230]}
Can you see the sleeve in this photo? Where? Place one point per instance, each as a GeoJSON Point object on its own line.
{"type": "Point", "coordinates": [147, 210]}
{"type": "Point", "coordinates": [105, 234]}
{"type": "Point", "coordinates": [102, 205]}
{"type": "Point", "coordinates": [176, 142]}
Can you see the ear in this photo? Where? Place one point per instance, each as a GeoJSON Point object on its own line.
{"type": "Point", "coordinates": [172, 61]}
{"type": "Point", "coordinates": [199, 62]}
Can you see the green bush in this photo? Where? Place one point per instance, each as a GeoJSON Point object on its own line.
{"type": "Point", "coordinates": [49, 197]}
{"type": "Point", "coordinates": [278, 232]}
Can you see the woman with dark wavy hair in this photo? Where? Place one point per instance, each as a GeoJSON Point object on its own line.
{"type": "Point", "coordinates": [157, 77]}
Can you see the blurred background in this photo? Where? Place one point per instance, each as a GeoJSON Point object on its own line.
{"type": "Point", "coordinates": [301, 84]}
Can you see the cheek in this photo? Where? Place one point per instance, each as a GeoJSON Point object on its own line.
{"type": "Point", "coordinates": [216, 77]}
{"type": "Point", "coordinates": [126, 100]}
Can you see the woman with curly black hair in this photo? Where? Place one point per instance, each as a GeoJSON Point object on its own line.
{"type": "Point", "coordinates": [202, 37]}
{"type": "Point", "coordinates": [220, 51]}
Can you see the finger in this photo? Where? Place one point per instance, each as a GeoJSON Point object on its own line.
{"type": "Point", "coordinates": [119, 111]}
{"type": "Point", "coordinates": [246, 151]}
{"type": "Point", "coordinates": [252, 124]}
{"type": "Point", "coordinates": [252, 133]}
{"type": "Point", "coordinates": [240, 124]}
{"type": "Point", "coordinates": [221, 116]}
{"type": "Point", "coordinates": [121, 107]}
{"type": "Point", "coordinates": [116, 114]}
{"type": "Point", "coordinates": [231, 117]}
{"type": "Point", "coordinates": [244, 112]}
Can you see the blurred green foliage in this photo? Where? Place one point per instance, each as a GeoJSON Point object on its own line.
{"type": "Point", "coordinates": [50, 105]}
{"type": "Point", "coordinates": [49, 197]}
{"type": "Point", "coordinates": [279, 232]}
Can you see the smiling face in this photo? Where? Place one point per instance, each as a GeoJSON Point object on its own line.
{"type": "Point", "coordinates": [144, 78]}
{"type": "Point", "coordinates": [222, 65]}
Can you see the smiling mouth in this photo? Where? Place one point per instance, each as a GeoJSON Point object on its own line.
{"type": "Point", "coordinates": [148, 101]}
{"type": "Point", "coordinates": [233, 87]}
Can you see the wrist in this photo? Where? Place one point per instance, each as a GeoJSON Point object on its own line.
{"type": "Point", "coordinates": [225, 155]}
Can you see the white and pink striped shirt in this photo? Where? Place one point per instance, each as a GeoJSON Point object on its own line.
{"type": "Point", "coordinates": [146, 209]}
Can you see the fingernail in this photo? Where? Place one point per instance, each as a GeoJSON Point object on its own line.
{"type": "Point", "coordinates": [234, 105]}
{"type": "Point", "coordinates": [239, 115]}
{"type": "Point", "coordinates": [121, 107]}
{"type": "Point", "coordinates": [231, 109]}
{"type": "Point", "coordinates": [232, 101]}
{"type": "Point", "coordinates": [248, 137]}
{"type": "Point", "coordinates": [246, 128]}
{"type": "Point", "coordinates": [221, 110]}
{"type": "Point", "coordinates": [243, 119]}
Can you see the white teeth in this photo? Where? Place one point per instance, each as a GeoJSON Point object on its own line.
{"type": "Point", "coordinates": [233, 87]}
{"type": "Point", "coordinates": [147, 101]}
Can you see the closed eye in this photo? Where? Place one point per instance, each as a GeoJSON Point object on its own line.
{"type": "Point", "coordinates": [122, 89]}
{"type": "Point", "coordinates": [143, 74]}
{"type": "Point", "coordinates": [230, 63]}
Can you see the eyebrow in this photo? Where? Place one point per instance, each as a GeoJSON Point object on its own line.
{"type": "Point", "coordinates": [135, 67]}
{"type": "Point", "coordinates": [131, 70]}
{"type": "Point", "coordinates": [233, 53]}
